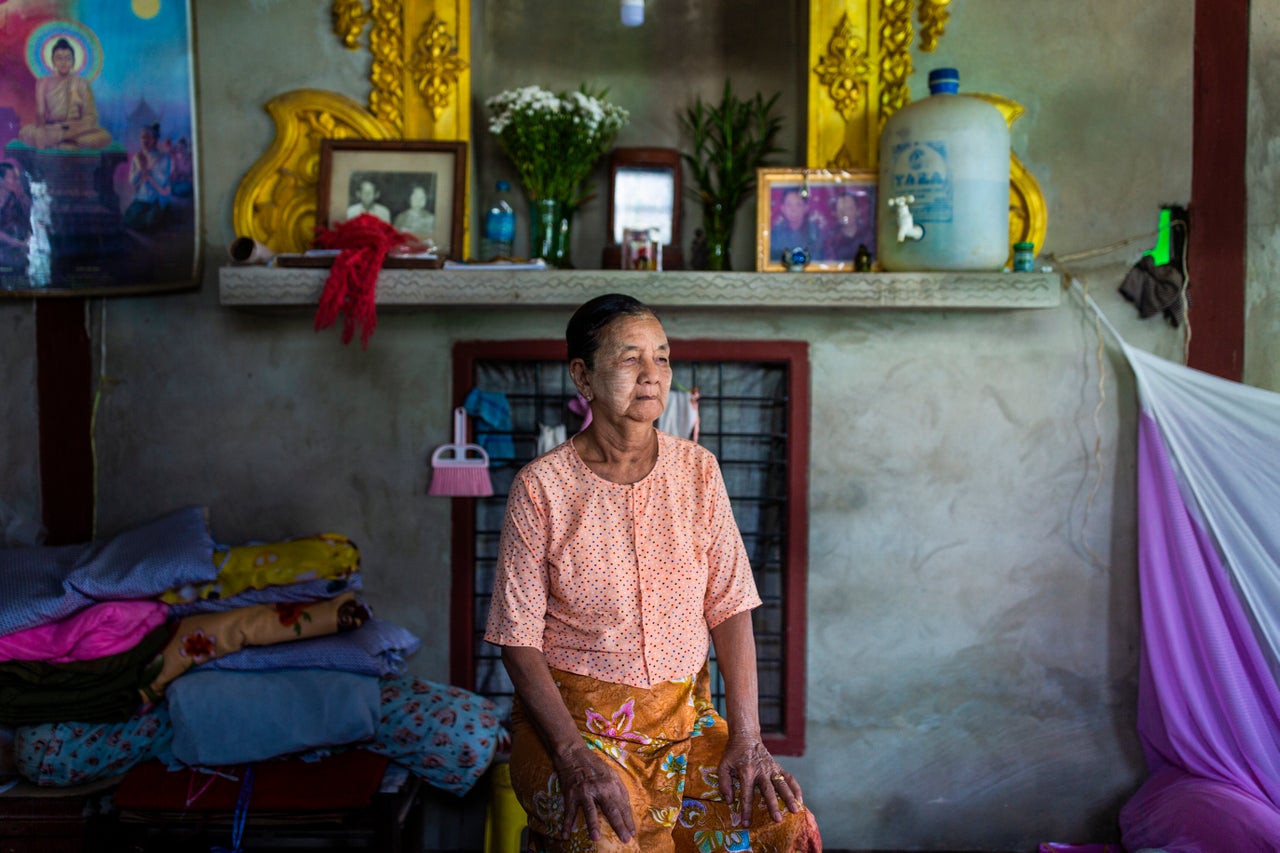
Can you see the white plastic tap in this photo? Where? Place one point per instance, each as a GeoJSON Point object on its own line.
{"type": "Point", "coordinates": [907, 228]}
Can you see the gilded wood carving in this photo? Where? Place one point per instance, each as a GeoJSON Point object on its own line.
{"type": "Point", "coordinates": [420, 88]}
{"type": "Point", "coordinates": [420, 68]}
{"type": "Point", "coordinates": [276, 201]}
{"type": "Point", "coordinates": [1028, 216]}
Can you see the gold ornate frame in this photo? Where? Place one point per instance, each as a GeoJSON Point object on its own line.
{"type": "Point", "coordinates": [821, 186]}
{"type": "Point", "coordinates": [859, 61]}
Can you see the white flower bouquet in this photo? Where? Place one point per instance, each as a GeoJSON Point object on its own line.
{"type": "Point", "coordinates": [554, 139]}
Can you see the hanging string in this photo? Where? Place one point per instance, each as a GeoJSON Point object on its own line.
{"type": "Point", "coordinates": [192, 794]}
{"type": "Point", "coordinates": [99, 388]}
{"type": "Point", "coordinates": [1103, 250]}
{"type": "Point", "coordinates": [1100, 322]}
{"type": "Point", "coordinates": [1182, 294]}
{"type": "Point", "coordinates": [1100, 467]}
{"type": "Point", "coordinates": [241, 814]}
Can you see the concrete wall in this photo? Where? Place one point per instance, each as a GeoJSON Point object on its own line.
{"type": "Point", "coordinates": [1262, 176]}
{"type": "Point", "coordinates": [973, 622]}
{"type": "Point", "coordinates": [19, 427]}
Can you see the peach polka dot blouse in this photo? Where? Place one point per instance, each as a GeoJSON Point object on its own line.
{"type": "Point", "coordinates": [620, 582]}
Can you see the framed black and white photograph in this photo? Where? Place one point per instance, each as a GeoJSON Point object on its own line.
{"type": "Point", "coordinates": [830, 214]}
{"type": "Point", "coordinates": [416, 186]}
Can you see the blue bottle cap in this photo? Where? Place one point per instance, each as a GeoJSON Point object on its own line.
{"type": "Point", "coordinates": [944, 81]}
{"type": "Point", "coordinates": [503, 186]}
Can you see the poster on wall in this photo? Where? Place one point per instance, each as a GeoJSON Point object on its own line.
{"type": "Point", "coordinates": [97, 147]}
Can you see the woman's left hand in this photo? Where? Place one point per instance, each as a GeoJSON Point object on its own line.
{"type": "Point", "coordinates": [747, 761]}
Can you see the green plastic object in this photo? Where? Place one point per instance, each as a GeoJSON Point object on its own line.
{"type": "Point", "coordinates": [1160, 254]}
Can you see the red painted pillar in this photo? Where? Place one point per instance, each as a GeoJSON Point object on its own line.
{"type": "Point", "coordinates": [1216, 249]}
{"type": "Point", "coordinates": [64, 388]}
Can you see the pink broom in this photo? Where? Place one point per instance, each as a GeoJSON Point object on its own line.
{"type": "Point", "coordinates": [460, 469]}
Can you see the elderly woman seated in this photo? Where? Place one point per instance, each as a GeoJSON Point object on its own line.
{"type": "Point", "coordinates": [619, 563]}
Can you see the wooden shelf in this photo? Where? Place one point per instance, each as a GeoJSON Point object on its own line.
{"type": "Point", "coordinates": [271, 286]}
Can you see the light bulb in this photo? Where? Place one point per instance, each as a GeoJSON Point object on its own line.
{"type": "Point", "coordinates": [632, 13]}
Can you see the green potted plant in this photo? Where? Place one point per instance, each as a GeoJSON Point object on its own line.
{"type": "Point", "coordinates": [731, 140]}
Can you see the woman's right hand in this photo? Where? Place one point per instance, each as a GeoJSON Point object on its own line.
{"type": "Point", "coordinates": [589, 784]}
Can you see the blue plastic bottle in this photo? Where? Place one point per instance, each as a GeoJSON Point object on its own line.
{"type": "Point", "coordinates": [499, 233]}
{"type": "Point", "coordinates": [944, 183]}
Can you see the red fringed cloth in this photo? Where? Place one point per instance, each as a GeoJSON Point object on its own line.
{"type": "Point", "coordinates": [363, 244]}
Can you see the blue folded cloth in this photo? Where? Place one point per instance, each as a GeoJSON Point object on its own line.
{"type": "Point", "coordinates": [236, 717]}
{"type": "Point", "coordinates": [375, 648]}
{"type": "Point", "coordinates": [41, 584]}
{"type": "Point", "coordinates": [494, 412]}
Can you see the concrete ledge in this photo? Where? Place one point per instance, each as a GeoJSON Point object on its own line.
{"type": "Point", "coordinates": [260, 286]}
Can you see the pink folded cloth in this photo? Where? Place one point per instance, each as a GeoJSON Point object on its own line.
{"type": "Point", "coordinates": [101, 629]}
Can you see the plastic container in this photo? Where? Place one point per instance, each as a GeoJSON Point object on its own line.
{"type": "Point", "coordinates": [944, 183]}
{"type": "Point", "coordinates": [498, 236]}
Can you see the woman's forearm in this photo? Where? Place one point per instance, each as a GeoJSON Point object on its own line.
{"type": "Point", "coordinates": [735, 643]}
{"type": "Point", "coordinates": [541, 701]}
{"type": "Point", "coordinates": [591, 787]}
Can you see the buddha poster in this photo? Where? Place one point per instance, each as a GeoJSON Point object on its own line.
{"type": "Point", "coordinates": [97, 147]}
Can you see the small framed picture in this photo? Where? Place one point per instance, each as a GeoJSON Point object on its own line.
{"type": "Point", "coordinates": [644, 192]}
{"type": "Point", "coordinates": [641, 249]}
{"type": "Point", "coordinates": [418, 186]}
{"type": "Point", "coordinates": [823, 217]}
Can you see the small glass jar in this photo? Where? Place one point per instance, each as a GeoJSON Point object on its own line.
{"type": "Point", "coordinates": [1024, 257]}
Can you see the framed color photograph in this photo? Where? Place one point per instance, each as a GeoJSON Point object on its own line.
{"type": "Point", "coordinates": [417, 186]}
{"type": "Point", "coordinates": [829, 214]}
{"type": "Point", "coordinates": [98, 188]}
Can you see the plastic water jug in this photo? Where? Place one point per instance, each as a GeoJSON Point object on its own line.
{"type": "Point", "coordinates": [944, 183]}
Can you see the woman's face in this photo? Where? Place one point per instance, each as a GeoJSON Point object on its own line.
{"type": "Point", "coordinates": [794, 208]}
{"type": "Point", "coordinates": [148, 140]}
{"type": "Point", "coordinates": [632, 373]}
{"type": "Point", "coordinates": [418, 198]}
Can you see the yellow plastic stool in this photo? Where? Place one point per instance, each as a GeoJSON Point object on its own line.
{"type": "Point", "coordinates": [505, 822]}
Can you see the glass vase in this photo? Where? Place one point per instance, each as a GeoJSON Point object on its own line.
{"type": "Point", "coordinates": [550, 233]}
{"type": "Point", "coordinates": [717, 223]}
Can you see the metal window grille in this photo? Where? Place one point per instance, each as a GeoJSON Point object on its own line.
{"type": "Point", "coordinates": [743, 414]}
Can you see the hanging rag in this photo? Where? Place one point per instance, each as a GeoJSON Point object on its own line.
{"type": "Point", "coordinates": [350, 290]}
{"type": "Point", "coordinates": [680, 417]}
{"type": "Point", "coordinates": [1154, 290]}
{"type": "Point", "coordinates": [550, 437]}
{"type": "Point", "coordinates": [492, 409]}
{"type": "Point", "coordinates": [579, 406]}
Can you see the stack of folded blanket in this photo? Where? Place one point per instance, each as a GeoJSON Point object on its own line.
{"type": "Point", "coordinates": [160, 644]}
